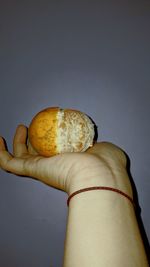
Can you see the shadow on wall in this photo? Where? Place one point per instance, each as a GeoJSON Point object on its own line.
{"type": "Point", "coordinates": [138, 212]}
{"type": "Point", "coordinates": [95, 129]}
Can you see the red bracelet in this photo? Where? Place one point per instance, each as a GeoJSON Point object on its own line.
{"type": "Point", "coordinates": [100, 188]}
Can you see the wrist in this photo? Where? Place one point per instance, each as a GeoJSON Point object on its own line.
{"type": "Point", "coordinates": [96, 188]}
{"type": "Point", "coordinates": [120, 182]}
{"type": "Point", "coordinates": [100, 222]}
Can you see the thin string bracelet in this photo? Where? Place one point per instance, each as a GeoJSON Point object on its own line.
{"type": "Point", "coordinates": [100, 188]}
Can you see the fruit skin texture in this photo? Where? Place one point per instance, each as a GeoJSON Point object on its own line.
{"type": "Point", "coordinates": [54, 130]}
{"type": "Point", "coordinates": [42, 132]}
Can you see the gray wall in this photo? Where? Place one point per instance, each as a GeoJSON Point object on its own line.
{"type": "Point", "coordinates": [93, 56]}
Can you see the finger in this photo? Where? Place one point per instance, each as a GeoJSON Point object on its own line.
{"type": "Point", "coordinates": [31, 150]}
{"type": "Point", "coordinates": [5, 156]}
{"type": "Point", "coordinates": [19, 142]}
{"type": "Point", "coordinates": [2, 144]}
{"type": "Point", "coordinates": [8, 162]}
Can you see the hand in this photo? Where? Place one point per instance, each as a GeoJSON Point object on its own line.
{"type": "Point", "coordinates": [100, 165]}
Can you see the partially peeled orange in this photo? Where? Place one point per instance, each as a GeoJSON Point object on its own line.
{"type": "Point", "coordinates": [55, 130]}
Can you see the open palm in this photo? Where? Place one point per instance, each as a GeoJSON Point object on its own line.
{"type": "Point", "coordinates": [68, 171]}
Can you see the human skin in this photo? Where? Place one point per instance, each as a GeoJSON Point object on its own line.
{"type": "Point", "coordinates": [102, 228]}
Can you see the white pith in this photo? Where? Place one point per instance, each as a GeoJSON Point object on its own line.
{"type": "Point", "coordinates": [73, 134]}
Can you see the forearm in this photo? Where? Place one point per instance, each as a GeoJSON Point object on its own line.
{"type": "Point", "coordinates": [102, 231]}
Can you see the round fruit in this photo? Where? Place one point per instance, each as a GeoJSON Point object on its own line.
{"type": "Point", "coordinates": [55, 130]}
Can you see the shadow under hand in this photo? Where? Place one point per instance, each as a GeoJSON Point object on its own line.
{"type": "Point", "coordinates": [138, 212]}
